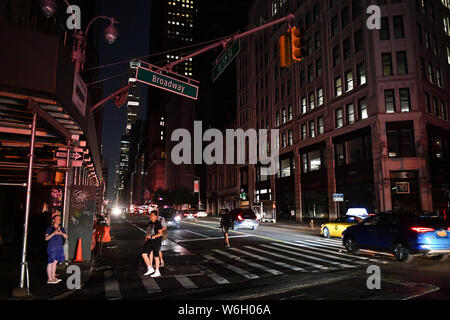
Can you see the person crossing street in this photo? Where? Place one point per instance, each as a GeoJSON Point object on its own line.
{"type": "Point", "coordinates": [152, 244]}
{"type": "Point", "coordinates": [226, 222]}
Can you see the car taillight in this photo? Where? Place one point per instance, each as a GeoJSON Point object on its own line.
{"type": "Point", "coordinates": [448, 229]}
{"type": "Point", "coordinates": [422, 229]}
{"type": "Point", "coordinates": [240, 218]}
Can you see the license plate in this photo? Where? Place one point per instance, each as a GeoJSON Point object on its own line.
{"type": "Point", "coordinates": [441, 233]}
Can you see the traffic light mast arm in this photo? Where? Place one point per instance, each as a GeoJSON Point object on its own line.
{"type": "Point", "coordinates": [228, 40]}
{"type": "Point", "coordinates": [118, 92]}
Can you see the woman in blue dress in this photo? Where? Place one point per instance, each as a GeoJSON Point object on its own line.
{"type": "Point", "coordinates": [55, 236]}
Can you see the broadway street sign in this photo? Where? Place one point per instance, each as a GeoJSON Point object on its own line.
{"type": "Point", "coordinates": [164, 82]}
{"type": "Point", "coordinates": [226, 59]}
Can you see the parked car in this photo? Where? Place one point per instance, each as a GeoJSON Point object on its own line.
{"type": "Point", "coordinates": [244, 219]}
{"type": "Point", "coordinates": [172, 217]}
{"type": "Point", "coordinates": [404, 234]}
{"type": "Point", "coordinates": [337, 227]}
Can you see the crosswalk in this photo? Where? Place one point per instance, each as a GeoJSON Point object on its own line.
{"type": "Point", "coordinates": [252, 261]}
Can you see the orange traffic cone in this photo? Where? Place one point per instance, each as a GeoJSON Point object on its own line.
{"type": "Point", "coordinates": [79, 256]}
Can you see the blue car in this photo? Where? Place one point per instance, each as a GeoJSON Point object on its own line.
{"type": "Point", "coordinates": [405, 235]}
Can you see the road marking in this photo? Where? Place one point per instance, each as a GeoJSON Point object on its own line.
{"type": "Point", "coordinates": [150, 284]}
{"type": "Point", "coordinates": [250, 263]}
{"type": "Point", "coordinates": [112, 288]}
{"type": "Point", "coordinates": [238, 232]}
{"type": "Point", "coordinates": [288, 258]}
{"type": "Point", "coordinates": [198, 234]}
{"type": "Point", "coordinates": [211, 238]}
{"type": "Point", "coordinates": [214, 276]}
{"type": "Point", "coordinates": [285, 265]}
{"type": "Point", "coordinates": [186, 282]}
{"type": "Point", "coordinates": [238, 270]}
{"type": "Point", "coordinates": [304, 248]}
{"type": "Point", "coordinates": [311, 257]}
{"type": "Point", "coordinates": [321, 248]}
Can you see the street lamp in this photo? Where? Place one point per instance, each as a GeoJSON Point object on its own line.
{"type": "Point", "coordinates": [48, 8]}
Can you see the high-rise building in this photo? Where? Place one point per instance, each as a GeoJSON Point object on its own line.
{"type": "Point", "coordinates": [365, 114]}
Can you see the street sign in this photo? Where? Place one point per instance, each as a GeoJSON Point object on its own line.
{"type": "Point", "coordinates": [164, 82]}
{"type": "Point", "coordinates": [226, 59]}
{"type": "Point", "coordinates": [338, 197]}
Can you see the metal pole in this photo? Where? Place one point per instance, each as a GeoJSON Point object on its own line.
{"type": "Point", "coordinates": [66, 199]}
{"type": "Point", "coordinates": [28, 201]}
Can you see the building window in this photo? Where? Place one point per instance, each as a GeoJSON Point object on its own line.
{"type": "Point", "coordinates": [312, 101]}
{"type": "Point", "coordinates": [362, 109]}
{"type": "Point", "coordinates": [334, 26]}
{"type": "Point", "coordinates": [336, 56]}
{"type": "Point", "coordinates": [304, 131]}
{"type": "Point", "coordinates": [400, 139]}
{"type": "Point", "coordinates": [444, 110]}
{"type": "Point", "coordinates": [277, 120]}
{"type": "Point", "coordinates": [356, 9]}
{"type": "Point", "coordinates": [427, 40]}
{"type": "Point", "coordinates": [290, 138]}
{"type": "Point", "coordinates": [284, 116]}
{"type": "Point", "coordinates": [318, 67]}
{"type": "Point", "coordinates": [340, 154]}
{"type": "Point", "coordinates": [348, 81]}
{"type": "Point", "coordinates": [405, 101]}
{"type": "Point", "coordinates": [312, 161]}
{"type": "Point", "coordinates": [402, 63]}
{"type": "Point", "coordinates": [361, 69]}
{"type": "Point", "coordinates": [347, 48]}
{"type": "Point", "coordinates": [290, 113]}
{"type": "Point", "coordinates": [317, 42]}
{"type": "Point", "coordinates": [283, 140]}
{"type": "Point", "coordinates": [319, 97]}
{"type": "Point", "coordinates": [339, 118]}
{"type": "Point", "coordinates": [389, 96]}
{"type": "Point", "coordinates": [399, 32]}
{"type": "Point", "coordinates": [312, 129]}
{"type": "Point", "coordinates": [438, 78]}
{"type": "Point", "coordinates": [304, 106]}
{"type": "Point", "coordinates": [419, 33]}
{"type": "Point", "coordinates": [344, 18]}
{"type": "Point", "coordinates": [428, 102]}
{"type": "Point", "coordinates": [338, 86]}
{"type": "Point", "coordinates": [310, 73]}
{"type": "Point", "coordinates": [384, 31]}
{"type": "Point", "coordinates": [358, 40]}
{"type": "Point", "coordinates": [320, 126]}
{"type": "Point", "coordinates": [350, 113]}
{"type": "Point", "coordinates": [435, 107]}
{"type": "Point", "coordinates": [387, 64]}
{"type": "Point", "coordinates": [430, 73]}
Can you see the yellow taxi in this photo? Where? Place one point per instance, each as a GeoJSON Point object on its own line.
{"type": "Point", "coordinates": [335, 228]}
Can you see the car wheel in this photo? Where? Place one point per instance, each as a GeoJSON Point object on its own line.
{"type": "Point", "coordinates": [326, 232]}
{"type": "Point", "coordinates": [351, 245]}
{"type": "Point", "coordinates": [402, 253]}
{"type": "Point", "coordinates": [441, 257]}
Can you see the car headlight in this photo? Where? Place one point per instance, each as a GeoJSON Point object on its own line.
{"type": "Point", "coordinates": [177, 219]}
{"type": "Point", "coordinates": [116, 212]}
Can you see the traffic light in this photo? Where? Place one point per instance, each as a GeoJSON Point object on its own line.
{"type": "Point", "coordinates": [297, 44]}
{"type": "Point", "coordinates": [285, 51]}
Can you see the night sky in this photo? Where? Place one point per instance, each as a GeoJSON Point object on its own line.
{"type": "Point", "coordinates": [133, 41]}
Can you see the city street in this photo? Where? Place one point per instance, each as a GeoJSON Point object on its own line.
{"type": "Point", "coordinates": [273, 263]}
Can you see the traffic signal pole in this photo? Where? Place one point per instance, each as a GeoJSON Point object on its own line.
{"type": "Point", "coordinates": [225, 42]}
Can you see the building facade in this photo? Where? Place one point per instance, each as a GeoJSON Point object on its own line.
{"type": "Point", "coordinates": [364, 114]}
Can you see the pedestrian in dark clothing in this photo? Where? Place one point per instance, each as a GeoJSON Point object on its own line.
{"type": "Point", "coordinates": [153, 241]}
{"type": "Point", "coordinates": [226, 222]}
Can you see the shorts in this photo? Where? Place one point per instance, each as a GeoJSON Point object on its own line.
{"type": "Point", "coordinates": [225, 229]}
{"type": "Point", "coordinates": [55, 254]}
{"type": "Point", "coordinates": [152, 246]}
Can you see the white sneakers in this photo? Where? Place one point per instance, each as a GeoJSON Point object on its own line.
{"type": "Point", "coordinates": [150, 270]}
{"type": "Point", "coordinates": [55, 281]}
{"type": "Point", "coordinates": [156, 274]}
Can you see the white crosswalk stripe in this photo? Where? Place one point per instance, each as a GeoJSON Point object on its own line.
{"type": "Point", "coordinates": [237, 270]}
{"type": "Point", "coordinates": [279, 263]}
{"type": "Point", "coordinates": [186, 282]}
{"type": "Point", "coordinates": [250, 263]}
{"type": "Point", "coordinates": [315, 265]}
{"type": "Point", "coordinates": [149, 283]}
{"type": "Point", "coordinates": [214, 276]}
{"type": "Point", "coordinates": [343, 265]}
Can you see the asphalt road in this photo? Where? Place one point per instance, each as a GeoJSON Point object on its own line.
{"type": "Point", "coordinates": [272, 263]}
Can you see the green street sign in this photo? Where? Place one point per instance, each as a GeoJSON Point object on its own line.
{"type": "Point", "coordinates": [226, 59]}
{"type": "Point", "coordinates": [167, 83]}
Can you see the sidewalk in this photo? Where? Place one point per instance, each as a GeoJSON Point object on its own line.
{"type": "Point", "coordinates": [39, 289]}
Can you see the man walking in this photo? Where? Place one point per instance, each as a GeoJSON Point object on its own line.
{"type": "Point", "coordinates": [152, 245]}
{"type": "Point", "coordinates": [164, 238]}
{"type": "Point", "coordinates": [225, 223]}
